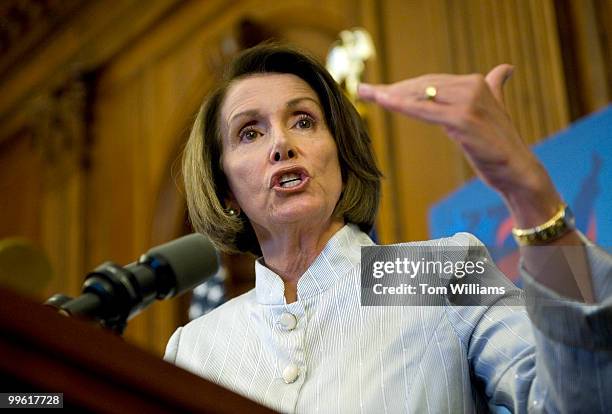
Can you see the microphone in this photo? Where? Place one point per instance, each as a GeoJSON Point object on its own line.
{"type": "Point", "coordinates": [113, 294]}
{"type": "Point", "coordinates": [24, 267]}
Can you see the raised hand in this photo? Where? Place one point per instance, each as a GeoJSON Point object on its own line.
{"type": "Point", "coordinates": [471, 109]}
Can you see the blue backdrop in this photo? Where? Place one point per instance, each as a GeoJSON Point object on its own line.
{"type": "Point", "coordinates": [579, 160]}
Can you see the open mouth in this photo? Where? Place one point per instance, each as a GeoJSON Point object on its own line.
{"type": "Point", "coordinates": [290, 180]}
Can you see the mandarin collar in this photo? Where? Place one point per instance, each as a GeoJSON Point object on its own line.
{"type": "Point", "coordinates": [341, 254]}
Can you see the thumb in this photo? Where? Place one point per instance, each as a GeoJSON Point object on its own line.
{"type": "Point", "coordinates": [496, 79]}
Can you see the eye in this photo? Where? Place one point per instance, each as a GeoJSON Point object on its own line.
{"type": "Point", "coordinates": [248, 134]}
{"type": "Point", "coordinates": [305, 121]}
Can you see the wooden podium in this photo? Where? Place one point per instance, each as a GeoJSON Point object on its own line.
{"type": "Point", "coordinates": [42, 351]}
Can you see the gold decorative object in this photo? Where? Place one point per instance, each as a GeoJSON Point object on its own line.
{"type": "Point", "coordinates": [345, 60]}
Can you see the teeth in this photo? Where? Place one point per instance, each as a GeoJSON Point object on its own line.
{"type": "Point", "coordinates": [290, 176]}
{"type": "Point", "coordinates": [291, 183]}
{"type": "Point", "coordinates": [290, 180]}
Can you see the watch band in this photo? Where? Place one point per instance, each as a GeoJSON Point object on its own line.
{"type": "Point", "coordinates": [558, 225]}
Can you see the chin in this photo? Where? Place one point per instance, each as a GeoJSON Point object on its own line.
{"type": "Point", "coordinates": [300, 213]}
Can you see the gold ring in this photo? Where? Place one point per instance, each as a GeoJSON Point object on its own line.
{"type": "Point", "coordinates": [430, 93]}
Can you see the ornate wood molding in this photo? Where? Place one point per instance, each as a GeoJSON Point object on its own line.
{"type": "Point", "coordinates": [24, 24]}
{"type": "Point", "coordinates": [44, 42]}
{"type": "Point", "coordinates": [57, 126]}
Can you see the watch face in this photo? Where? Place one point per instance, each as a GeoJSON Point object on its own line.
{"type": "Point", "coordinates": [569, 218]}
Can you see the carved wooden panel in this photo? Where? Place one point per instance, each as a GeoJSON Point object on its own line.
{"type": "Point", "coordinates": [43, 180]}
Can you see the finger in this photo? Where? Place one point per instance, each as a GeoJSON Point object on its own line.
{"type": "Point", "coordinates": [422, 110]}
{"type": "Point", "coordinates": [368, 92]}
{"type": "Point", "coordinates": [407, 87]}
{"type": "Point", "coordinates": [496, 79]}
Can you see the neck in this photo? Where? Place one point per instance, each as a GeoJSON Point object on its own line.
{"type": "Point", "coordinates": [290, 251]}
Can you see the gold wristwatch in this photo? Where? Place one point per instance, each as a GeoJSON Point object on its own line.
{"type": "Point", "coordinates": [562, 222]}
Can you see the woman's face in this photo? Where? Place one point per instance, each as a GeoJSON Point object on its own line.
{"type": "Point", "coordinates": [279, 158]}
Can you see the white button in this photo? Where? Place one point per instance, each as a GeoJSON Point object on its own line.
{"type": "Point", "coordinates": [290, 373]}
{"type": "Point", "coordinates": [288, 321]}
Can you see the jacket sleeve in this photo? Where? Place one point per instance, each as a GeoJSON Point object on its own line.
{"type": "Point", "coordinates": [550, 355]}
{"type": "Point", "coordinates": [573, 343]}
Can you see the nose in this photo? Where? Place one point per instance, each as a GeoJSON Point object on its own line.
{"type": "Point", "coordinates": [283, 148]}
{"type": "Point", "coordinates": [278, 155]}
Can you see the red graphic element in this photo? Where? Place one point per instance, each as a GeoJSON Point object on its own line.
{"type": "Point", "coordinates": [503, 231]}
{"type": "Point", "coordinates": [591, 232]}
{"type": "Point", "coordinates": [510, 262]}
{"type": "Point", "coordinates": [509, 265]}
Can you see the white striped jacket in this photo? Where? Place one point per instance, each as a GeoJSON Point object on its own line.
{"type": "Point", "coordinates": [325, 353]}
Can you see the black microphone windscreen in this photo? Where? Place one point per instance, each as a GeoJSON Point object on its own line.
{"type": "Point", "coordinates": [193, 259]}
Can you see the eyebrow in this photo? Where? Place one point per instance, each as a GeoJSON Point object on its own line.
{"type": "Point", "coordinates": [294, 102]}
{"type": "Point", "coordinates": [290, 104]}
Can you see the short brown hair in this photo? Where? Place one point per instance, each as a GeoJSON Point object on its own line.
{"type": "Point", "coordinates": [206, 185]}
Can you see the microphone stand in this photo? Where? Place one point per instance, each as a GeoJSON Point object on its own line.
{"type": "Point", "coordinates": [113, 294]}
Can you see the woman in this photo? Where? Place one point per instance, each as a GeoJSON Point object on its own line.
{"type": "Point", "coordinates": [279, 164]}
